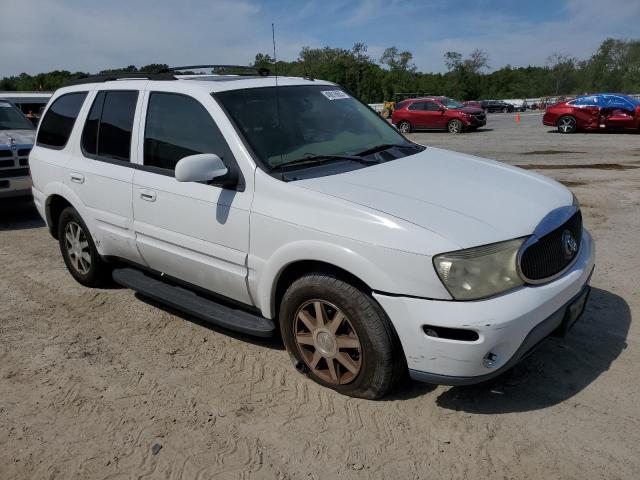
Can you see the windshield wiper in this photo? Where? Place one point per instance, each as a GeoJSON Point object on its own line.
{"type": "Point", "coordinates": [384, 146]}
{"type": "Point", "coordinates": [316, 159]}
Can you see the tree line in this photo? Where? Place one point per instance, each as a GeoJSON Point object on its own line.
{"type": "Point", "coordinates": [615, 67]}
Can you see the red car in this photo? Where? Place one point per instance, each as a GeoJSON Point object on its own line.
{"type": "Point", "coordinates": [436, 113]}
{"type": "Point", "coordinates": [603, 111]}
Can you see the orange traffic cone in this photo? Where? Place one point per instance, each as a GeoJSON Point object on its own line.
{"type": "Point", "coordinates": [518, 117]}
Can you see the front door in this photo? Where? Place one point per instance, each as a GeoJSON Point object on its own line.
{"type": "Point", "coordinates": [194, 232]}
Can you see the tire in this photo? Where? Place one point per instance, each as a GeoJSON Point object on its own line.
{"type": "Point", "coordinates": [79, 252]}
{"type": "Point", "coordinates": [505, 110]}
{"type": "Point", "coordinates": [362, 359]}
{"type": "Point", "coordinates": [455, 126]}
{"type": "Point", "coordinates": [567, 124]}
{"type": "Point", "coordinates": [405, 127]}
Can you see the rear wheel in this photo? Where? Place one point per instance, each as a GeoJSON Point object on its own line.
{"type": "Point", "coordinates": [567, 124]}
{"type": "Point", "coordinates": [455, 126]}
{"type": "Point", "coordinates": [340, 337]}
{"type": "Point", "coordinates": [505, 110]}
{"type": "Point", "coordinates": [78, 250]}
{"type": "Point", "coordinates": [404, 127]}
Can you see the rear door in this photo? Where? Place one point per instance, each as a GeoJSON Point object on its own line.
{"type": "Point", "coordinates": [100, 171]}
{"type": "Point", "coordinates": [195, 232]}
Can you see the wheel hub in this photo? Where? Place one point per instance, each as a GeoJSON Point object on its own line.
{"type": "Point", "coordinates": [77, 248]}
{"type": "Point", "coordinates": [327, 342]}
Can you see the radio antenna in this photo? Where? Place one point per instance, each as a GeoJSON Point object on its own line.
{"type": "Point", "coordinates": [275, 71]}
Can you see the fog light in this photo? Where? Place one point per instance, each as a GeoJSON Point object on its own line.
{"type": "Point", "coordinates": [490, 360]}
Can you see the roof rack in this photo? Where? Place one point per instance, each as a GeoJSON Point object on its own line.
{"type": "Point", "coordinates": [219, 69]}
{"type": "Point", "coordinates": [107, 77]}
{"type": "Point", "coordinates": [167, 74]}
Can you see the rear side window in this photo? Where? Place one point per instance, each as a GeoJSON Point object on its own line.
{"type": "Point", "coordinates": [178, 126]}
{"type": "Point", "coordinates": [107, 131]}
{"type": "Point", "coordinates": [416, 106]}
{"type": "Point", "coordinates": [58, 122]}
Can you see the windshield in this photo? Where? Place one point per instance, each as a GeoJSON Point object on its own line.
{"type": "Point", "coordinates": [450, 103]}
{"type": "Point", "coordinates": [12, 119]}
{"type": "Point", "coordinates": [315, 120]}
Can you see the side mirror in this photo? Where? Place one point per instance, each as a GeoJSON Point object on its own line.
{"type": "Point", "coordinates": [200, 168]}
{"type": "Point", "coordinates": [442, 109]}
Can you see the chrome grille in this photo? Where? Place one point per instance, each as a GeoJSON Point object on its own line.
{"type": "Point", "coordinates": [543, 258]}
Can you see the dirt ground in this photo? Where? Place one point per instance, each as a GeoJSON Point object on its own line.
{"type": "Point", "coordinates": [103, 384]}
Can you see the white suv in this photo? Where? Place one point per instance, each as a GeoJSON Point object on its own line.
{"type": "Point", "coordinates": [267, 205]}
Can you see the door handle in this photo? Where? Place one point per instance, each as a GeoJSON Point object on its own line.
{"type": "Point", "coordinates": [148, 195]}
{"type": "Point", "coordinates": [77, 178]}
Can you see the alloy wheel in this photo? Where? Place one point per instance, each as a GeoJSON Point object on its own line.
{"type": "Point", "coordinates": [566, 125]}
{"type": "Point", "coordinates": [77, 247]}
{"type": "Point", "coordinates": [455, 127]}
{"type": "Point", "coordinates": [327, 342]}
{"type": "Point", "coordinates": [404, 127]}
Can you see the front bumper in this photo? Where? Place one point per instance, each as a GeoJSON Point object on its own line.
{"type": "Point", "coordinates": [508, 325]}
{"type": "Point", "coordinates": [15, 187]}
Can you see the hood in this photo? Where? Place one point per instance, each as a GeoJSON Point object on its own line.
{"type": "Point", "coordinates": [22, 138]}
{"type": "Point", "coordinates": [467, 200]}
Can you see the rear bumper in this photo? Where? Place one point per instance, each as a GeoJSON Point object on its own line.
{"type": "Point", "coordinates": [15, 187]}
{"type": "Point", "coordinates": [508, 326]}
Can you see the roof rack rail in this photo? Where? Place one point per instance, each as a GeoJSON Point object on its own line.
{"type": "Point", "coordinates": [248, 71]}
{"type": "Point", "coordinates": [166, 74]}
{"type": "Point", "coordinates": [107, 77]}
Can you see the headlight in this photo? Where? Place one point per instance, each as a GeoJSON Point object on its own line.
{"type": "Point", "coordinates": [480, 272]}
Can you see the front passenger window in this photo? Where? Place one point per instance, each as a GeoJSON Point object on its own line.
{"type": "Point", "coordinates": [178, 126]}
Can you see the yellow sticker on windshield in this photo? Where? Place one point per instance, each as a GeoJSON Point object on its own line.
{"type": "Point", "coordinates": [334, 94]}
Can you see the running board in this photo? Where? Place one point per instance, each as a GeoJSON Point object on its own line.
{"type": "Point", "coordinates": [194, 304]}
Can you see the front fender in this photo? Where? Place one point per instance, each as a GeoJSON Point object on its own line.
{"type": "Point", "coordinates": [310, 250]}
{"type": "Point", "coordinates": [382, 269]}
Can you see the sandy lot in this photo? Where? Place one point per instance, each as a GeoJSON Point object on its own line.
{"type": "Point", "coordinates": [102, 384]}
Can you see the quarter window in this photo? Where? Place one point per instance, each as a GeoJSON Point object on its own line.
{"type": "Point", "coordinates": [58, 122]}
{"type": "Point", "coordinates": [178, 126]}
{"type": "Point", "coordinates": [107, 131]}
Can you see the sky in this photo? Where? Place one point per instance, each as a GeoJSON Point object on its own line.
{"type": "Point", "coordinates": [91, 35]}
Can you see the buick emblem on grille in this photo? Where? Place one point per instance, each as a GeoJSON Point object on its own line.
{"type": "Point", "coordinates": [12, 143]}
{"type": "Point", "coordinates": [569, 244]}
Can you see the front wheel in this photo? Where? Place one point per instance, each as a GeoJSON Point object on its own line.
{"type": "Point", "coordinates": [404, 127]}
{"type": "Point", "coordinates": [567, 124]}
{"type": "Point", "coordinates": [78, 250]}
{"type": "Point", "coordinates": [340, 337]}
{"type": "Point", "coordinates": [455, 126]}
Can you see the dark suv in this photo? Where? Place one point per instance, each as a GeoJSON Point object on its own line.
{"type": "Point", "coordinates": [497, 106]}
